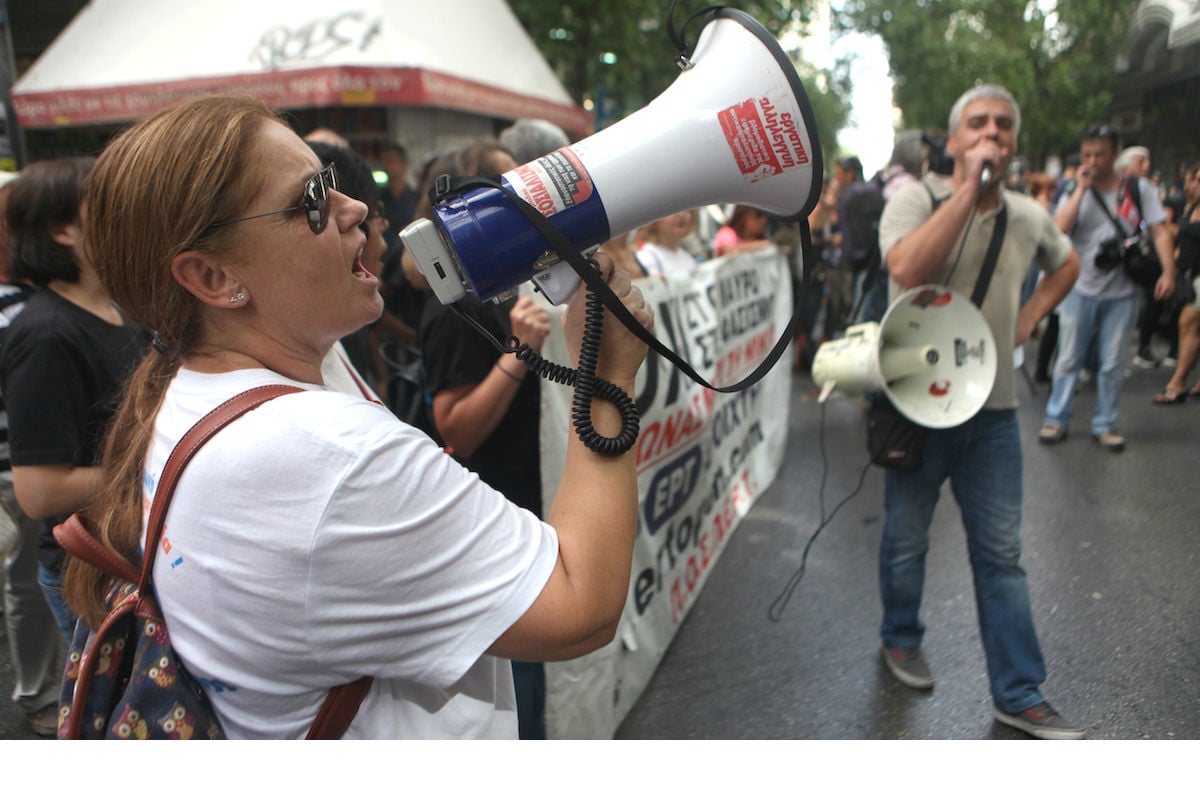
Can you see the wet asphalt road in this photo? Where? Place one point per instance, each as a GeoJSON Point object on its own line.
{"type": "Point", "coordinates": [1111, 545]}
{"type": "Point", "coordinates": [1112, 552]}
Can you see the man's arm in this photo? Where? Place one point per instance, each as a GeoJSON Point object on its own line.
{"type": "Point", "coordinates": [919, 255]}
{"type": "Point", "coordinates": [1067, 214]}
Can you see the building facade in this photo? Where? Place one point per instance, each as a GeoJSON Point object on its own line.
{"type": "Point", "coordinates": [1154, 100]}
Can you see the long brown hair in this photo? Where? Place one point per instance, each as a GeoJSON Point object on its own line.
{"type": "Point", "coordinates": [154, 193]}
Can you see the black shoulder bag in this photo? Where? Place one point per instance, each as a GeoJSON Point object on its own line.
{"type": "Point", "coordinates": [893, 440]}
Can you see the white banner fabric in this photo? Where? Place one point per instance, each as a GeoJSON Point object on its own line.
{"type": "Point", "coordinates": [703, 458]}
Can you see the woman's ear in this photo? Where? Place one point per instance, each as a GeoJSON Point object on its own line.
{"type": "Point", "coordinates": [68, 234]}
{"type": "Point", "coordinates": [207, 279]}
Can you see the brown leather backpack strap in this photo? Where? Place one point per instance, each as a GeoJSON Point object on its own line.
{"type": "Point", "coordinates": [74, 537]}
{"type": "Point", "coordinates": [193, 440]}
{"type": "Point", "coordinates": [339, 709]}
{"type": "Point", "coordinates": [342, 703]}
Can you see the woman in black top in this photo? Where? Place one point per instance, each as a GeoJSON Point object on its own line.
{"type": "Point", "coordinates": [63, 362]}
{"type": "Point", "coordinates": [1187, 273]}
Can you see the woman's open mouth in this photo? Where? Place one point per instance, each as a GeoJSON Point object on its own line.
{"type": "Point", "coordinates": [358, 270]}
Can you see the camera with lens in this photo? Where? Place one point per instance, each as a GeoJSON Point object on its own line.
{"type": "Point", "coordinates": [1110, 255]}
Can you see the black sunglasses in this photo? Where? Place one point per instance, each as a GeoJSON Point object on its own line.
{"type": "Point", "coordinates": [315, 205]}
{"type": "Point", "coordinates": [1100, 131]}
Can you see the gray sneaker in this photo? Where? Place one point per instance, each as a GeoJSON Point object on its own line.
{"type": "Point", "coordinates": [1051, 433]}
{"type": "Point", "coordinates": [909, 666]}
{"type": "Point", "coordinates": [1041, 722]}
{"type": "Point", "coordinates": [1144, 360]}
{"type": "Point", "coordinates": [1111, 441]}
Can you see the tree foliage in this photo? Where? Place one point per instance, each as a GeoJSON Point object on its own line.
{"type": "Point", "coordinates": [1057, 59]}
{"type": "Point", "coordinates": [616, 55]}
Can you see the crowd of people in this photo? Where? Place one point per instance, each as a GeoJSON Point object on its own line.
{"type": "Point", "coordinates": [927, 218]}
{"type": "Point", "coordinates": [1104, 308]}
{"type": "Point", "coordinates": [416, 548]}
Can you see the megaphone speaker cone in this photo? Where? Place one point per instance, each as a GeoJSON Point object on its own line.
{"type": "Point", "coordinates": [736, 127]}
{"type": "Point", "coordinates": [955, 384]}
{"type": "Point", "coordinates": [932, 354]}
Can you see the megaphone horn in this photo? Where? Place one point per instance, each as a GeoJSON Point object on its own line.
{"type": "Point", "coordinates": [932, 354]}
{"type": "Point", "coordinates": [734, 127]}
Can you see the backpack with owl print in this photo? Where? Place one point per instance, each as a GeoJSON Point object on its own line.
{"type": "Point", "coordinates": [124, 680]}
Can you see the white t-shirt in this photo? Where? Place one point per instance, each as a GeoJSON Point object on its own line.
{"type": "Point", "coordinates": [318, 539]}
{"type": "Point", "coordinates": [658, 260]}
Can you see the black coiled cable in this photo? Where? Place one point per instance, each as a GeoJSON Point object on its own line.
{"type": "Point", "coordinates": [587, 385]}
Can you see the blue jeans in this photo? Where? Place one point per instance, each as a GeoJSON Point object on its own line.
{"type": "Point", "coordinates": [982, 459]}
{"type": "Point", "coordinates": [873, 305]}
{"type": "Point", "coordinates": [1082, 320]}
{"type": "Point", "coordinates": [51, 583]}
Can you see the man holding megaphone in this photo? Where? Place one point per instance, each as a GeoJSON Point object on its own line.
{"type": "Point", "coordinates": [939, 231]}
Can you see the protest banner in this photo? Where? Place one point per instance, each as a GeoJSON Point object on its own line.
{"type": "Point", "coordinates": [703, 458]}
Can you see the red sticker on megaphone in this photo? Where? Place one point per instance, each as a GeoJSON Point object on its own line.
{"type": "Point", "coordinates": [939, 388]}
{"type": "Point", "coordinates": [932, 298]}
{"type": "Point", "coordinates": [764, 139]}
{"type": "Point", "coordinates": [552, 183]}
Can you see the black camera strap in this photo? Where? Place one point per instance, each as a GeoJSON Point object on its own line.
{"type": "Point", "coordinates": [1099, 198]}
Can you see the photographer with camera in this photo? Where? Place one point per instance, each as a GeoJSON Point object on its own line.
{"type": "Point", "coordinates": [1104, 303]}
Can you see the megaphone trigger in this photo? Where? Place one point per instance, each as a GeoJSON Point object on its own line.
{"type": "Point", "coordinates": [557, 281]}
{"type": "Point", "coordinates": [826, 391]}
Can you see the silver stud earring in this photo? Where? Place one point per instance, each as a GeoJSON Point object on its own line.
{"type": "Point", "coordinates": [237, 298]}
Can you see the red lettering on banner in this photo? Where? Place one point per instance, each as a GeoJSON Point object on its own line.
{"type": "Point", "coordinates": [663, 437]}
{"type": "Point", "coordinates": [737, 363]}
{"type": "Point", "coordinates": [709, 542]}
{"type": "Point", "coordinates": [678, 600]}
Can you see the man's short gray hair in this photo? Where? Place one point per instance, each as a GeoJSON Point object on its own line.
{"type": "Point", "coordinates": [984, 91]}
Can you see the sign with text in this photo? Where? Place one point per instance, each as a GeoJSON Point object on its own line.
{"type": "Point", "coordinates": [703, 458]}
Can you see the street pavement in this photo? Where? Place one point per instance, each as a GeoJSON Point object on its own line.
{"type": "Point", "coordinates": [1110, 546]}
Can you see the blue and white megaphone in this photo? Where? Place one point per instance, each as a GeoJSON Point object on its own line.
{"type": "Point", "coordinates": [735, 127]}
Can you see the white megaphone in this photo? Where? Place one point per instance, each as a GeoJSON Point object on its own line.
{"type": "Point", "coordinates": [933, 355]}
{"type": "Point", "coordinates": [735, 127]}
